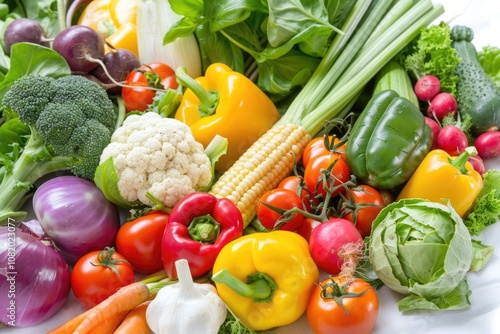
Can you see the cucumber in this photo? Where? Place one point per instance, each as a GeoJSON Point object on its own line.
{"type": "Point", "coordinates": [477, 95]}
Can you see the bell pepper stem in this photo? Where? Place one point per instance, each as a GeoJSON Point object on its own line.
{"type": "Point", "coordinates": [208, 99]}
{"type": "Point", "coordinates": [204, 229]}
{"type": "Point", "coordinates": [259, 287]}
{"type": "Point", "coordinates": [459, 162]}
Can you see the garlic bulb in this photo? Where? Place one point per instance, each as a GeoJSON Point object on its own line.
{"type": "Point", "coordinates": [186, 307]}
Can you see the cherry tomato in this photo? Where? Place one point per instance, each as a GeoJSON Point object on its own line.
{"type": "Point", "coordinates": [283, 199]}
{"type": "Point", "coordinates": [361, 206]}
{"type": "Point", "coordinates": [354, 315]}
{"type": "Point", "coordinates": [308, 225]}
{"type": "Point", "coordinates": [139, 241]}
{"type": "Point", "coordinates": [93, 278]}
{"type": "Point", "coordinates": [296, 184]}
{"type": "Point", "coordinates": [313, 174]}
{"type": "Point", "coordinates": [157, 75]}
{"type": "Point", "coordinates": [334, 242]}
{"type": "Point", "coordinates": [317, 147]}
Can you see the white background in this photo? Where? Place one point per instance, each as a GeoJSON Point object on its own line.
{"type": "Point", "coordinates": [484, 314]}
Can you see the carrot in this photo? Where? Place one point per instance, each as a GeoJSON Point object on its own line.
{"type": "Point", "coordinates": [69, 326]}
{"type": "Point", "coordinates": [125, 299]}
{"type": "Point", "coordinates": [109, 325]}
{"type": "Point", "coordinates": [135, 321]}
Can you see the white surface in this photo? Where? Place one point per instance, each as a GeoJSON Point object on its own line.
{"type": "Point", "coordinates": [484, 314]}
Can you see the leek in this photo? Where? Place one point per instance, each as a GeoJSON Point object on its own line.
{"type": "Point", "coordinates": [154, 19]}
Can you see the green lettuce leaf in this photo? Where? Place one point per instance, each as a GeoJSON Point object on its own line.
{"type": "Point", "coordinates": [489, 57]}
{"type": "Point", "coordinates": [486, 209]}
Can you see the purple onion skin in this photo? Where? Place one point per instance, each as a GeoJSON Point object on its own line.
{"type": "Point", "coordinates": [42, 280]}
{"type": "Point", "coordinates": [75, 214]}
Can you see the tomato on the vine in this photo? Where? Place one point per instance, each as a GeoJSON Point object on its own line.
{"type": "Point", "coordinates": [348, 314]}
{"type": "Point", "coordinates": [308, 225]}
{"type": "Point", "coordinates": [317, 147]}
{"type": "Point", "coordinates": [313, 174]}
{"type": "Point", "coordinates": [139, 241]}
{"type": "Point", "coordinates": [156, 75]}
{"type": "Point", "coordinates": [273, 204]}
{"type": "Point", "coordinates": [99, 274]}
{"type": "Point", "coordinates": [362, 205]}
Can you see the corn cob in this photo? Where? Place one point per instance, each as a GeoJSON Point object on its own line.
{"type": "Point", "coordinates": [268, 161]}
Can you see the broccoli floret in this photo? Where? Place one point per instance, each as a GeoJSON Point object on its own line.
{"type": "Point", "coordinates": [89, 96]}
{"type": "Point", "coordinates": [70, 119]}
{"type": "Point", "coordinates": [29, 95]}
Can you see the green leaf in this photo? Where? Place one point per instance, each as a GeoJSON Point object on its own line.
{"type": "Point", "coordinates": [482, 254]}
{"type": "Point", "coordinates": [282, 75]}
{"type": "Point", "coordinates": [28, 58]}
{"type": "Point", "coordinates": [457, 299]}
{"type": "Point", "coordinates": [106, 179]}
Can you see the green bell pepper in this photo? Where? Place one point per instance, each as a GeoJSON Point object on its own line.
{"type": "Point", "coordinates": [388, 141]}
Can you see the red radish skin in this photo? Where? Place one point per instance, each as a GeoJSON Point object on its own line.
{"type": "Point", "coordinates": [488, 144]}
{"type": "Point", "coordinates": [335, 245]}
{"type": "Point", "coordinates": [478, 164]}
{"type": "Point", "coordinates": [427, 87]}
{"type": "Point", "coordinates": [452, 140]}
{"type": "Point", "coordinates": [436, 128]}
{"type": "Point", "coordinates": [442, 105]}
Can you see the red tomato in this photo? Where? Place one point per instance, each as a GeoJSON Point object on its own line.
{"type": "Point", "coordinates": [362, 205]}
{"type": "Point", "coordinates": [308, 225]}
{"type": "Point", "coordinates": [317, 147]}
{"type": "Point", "coordinates": [313, 174]}
{"type": "Point", "coordinates": [334, 242]}
{"type": "Point", "coordinates": [93, 278]}
{"type": "Point", "coordinates": [139, 241]}
{"type": "Point", "coordinates": [282, 199]}
{"type": "Point", "coordinates": [296, 184]}
{"type": "Point", "coordinates": [355, 315]}
{"type": "Point", "coordinates": [157, 75]}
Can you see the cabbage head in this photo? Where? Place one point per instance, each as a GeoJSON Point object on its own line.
{"type": "Point", "coordinates": [423, 250]}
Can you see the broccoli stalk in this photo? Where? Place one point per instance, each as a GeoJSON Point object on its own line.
{"type": "Point", "coordinates": [62, 124]}
{"type": "Point", "coordinates": [34, 162]}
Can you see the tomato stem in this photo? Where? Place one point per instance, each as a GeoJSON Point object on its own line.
{"type": "Point", "coordinates": [105, 259]}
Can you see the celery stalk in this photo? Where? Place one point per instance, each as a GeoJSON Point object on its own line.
{"type": "Point", "coordinates": [353, 81]}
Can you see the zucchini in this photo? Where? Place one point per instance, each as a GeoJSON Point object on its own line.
{"type": "Point", "coordinates": [477, 95]}
{"type": "Point", "coordinates": [393, 76]}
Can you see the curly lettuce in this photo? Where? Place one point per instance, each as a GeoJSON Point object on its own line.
{"type": "Point", "coordinates": [486, 210]}
{"type": "Point", "coordinates": [489, 57]}
{"type": "Point", "coordinates": [430, 53]}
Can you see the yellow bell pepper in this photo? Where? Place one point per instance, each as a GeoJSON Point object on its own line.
{"type": "Point", "coordinates": [226, 103]}
{"type": "Point", "coordinates": [265, 278]}
{"type": "Point", "coordinates": [442, 178]}
{"type": "Point", "coordinates": [115, 20]}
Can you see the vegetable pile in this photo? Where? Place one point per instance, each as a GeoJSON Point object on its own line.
{"type": "Point", "coordinates": [225, 167]}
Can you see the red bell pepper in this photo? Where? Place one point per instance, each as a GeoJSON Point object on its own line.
{"type": "Point", "coordinates": [198, 227]}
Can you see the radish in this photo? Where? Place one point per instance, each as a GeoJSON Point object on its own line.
{"type": "Point", "coordinates": [488, 144]}
{"type": "Point", "coordinates": [336, 246]}
{"type": "Point", "coordinates": [452, 140]}
{"type": "Point", "coordinates": [81, 46]}
{"type": "Point", "coordinates": [24, 30]}
{"type": "Point", "coordinates": [442, 105]}
{"type": "Point", "coordinates": [427, 87]}
{"type": "Point", "coordinates": [436, 128]}
{"type": "Point", "coordinates": [478, 164]}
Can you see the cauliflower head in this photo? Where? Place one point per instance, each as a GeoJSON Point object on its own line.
{"type": "Point", "coordinates": [159, 156]}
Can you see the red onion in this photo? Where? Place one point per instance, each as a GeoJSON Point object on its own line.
{"type": "Point", "coordinates": [34, 278]}
{"type": "Point", "coordinates": [76, 216]}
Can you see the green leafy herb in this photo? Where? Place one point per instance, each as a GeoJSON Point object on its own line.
{"type": "Point", "coordinates": [489, 57]}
